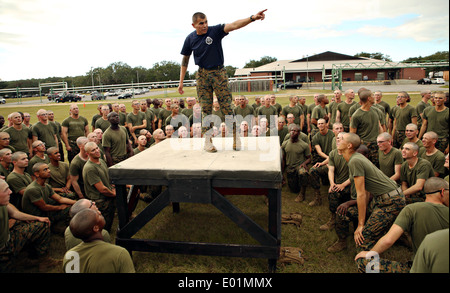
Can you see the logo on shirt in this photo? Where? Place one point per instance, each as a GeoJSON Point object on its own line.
{"type": "Point", "coordinates": [209, 40]}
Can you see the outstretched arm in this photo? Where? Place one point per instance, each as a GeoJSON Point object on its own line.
{"type": "Point", "coordinates": [243, 22]}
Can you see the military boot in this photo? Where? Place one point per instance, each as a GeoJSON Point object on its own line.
{"type": "Point", "coordinates": [330, 224]}
{"type": "Point", "coordinates": [317, 199]}
{"type": "Point", "coordinates": [209, 147]}
{"type": "Point", "coordinates": [301, 195]}
{"type": "Point", "coordinates": [339, 245]}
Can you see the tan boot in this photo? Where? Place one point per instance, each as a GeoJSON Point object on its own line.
{"type": "Point", "coordinates": [236, 139]}
{"type": "Point", "coordinates": [339, 245]}
{"type": "Point", "coordinates": [330, 224]}
{"type": "Point", "coordinates": [209, 147]}
{"type": "Point", "coordinates": [317, 199]}
{"type": "Point", "coordinates": [301, 195]}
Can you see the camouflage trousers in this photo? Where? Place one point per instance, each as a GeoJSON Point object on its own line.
{"type": "Point", "coordinates": [210, 82]}
{"type": "Point", "coordinates": [373, 152]}
{"type": "Point", "coordinates": [399, 137]}
{"type": "Point", "coordinates": [119, 159]}
{"type": "Point", "coordinates": [316, 174]}
{"type": "Point", "coordinates": [336, 198]}
{"type": "Point", "coordinates": [376, 264]}
{"type": "Point", "coordinates": [296, 178]}
{"type": "Point", "coordinates": [33, 234]}
{"type": "Point", "coordinates": [343, 221]}
{"type": "Point", "coordinates": [384, 213]}
{"type": "Point", "coordinates": [442, 144]}
{"type": "Point", "coordinates": [75, 150]}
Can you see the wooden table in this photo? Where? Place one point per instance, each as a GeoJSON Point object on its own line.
{"type": "Point", "coordinates": [192, 175]}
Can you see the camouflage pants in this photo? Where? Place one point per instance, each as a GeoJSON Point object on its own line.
{"type": "Point", "coordinates": [21, 234]}
{"type": "Point", "coordinates": [373, 152]}
{"type": "Point", "coordinates": [108, 208]}
{"type": "Point", "coordinates": [210, 82]}
{"type": "Point", "coordinates": [442, 144]}
{"type": "Point", "coordinates": [399, 136]}
{"type": "Point", "coordinates": [336, 198]}
{"type": "Point", "coordinates": [343, 222]}
{"type": "Point", "coordinates": [385, 266]}
{"type": "Point", "coordinates": [296, 178]}
{"type": "Point", "coordinates": [117, 160]}
{"type": "Point", "coordinates": [75, 150]}
{"type": "Point", "coordinates": [416, 197]}
{"type": "Point", "coordinates": [380, 220]}
{"type": "Point", "coordinates": [316, 174]}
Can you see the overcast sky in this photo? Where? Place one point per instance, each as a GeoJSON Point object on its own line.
{"type": "Point", "coordinates": [43, 38]}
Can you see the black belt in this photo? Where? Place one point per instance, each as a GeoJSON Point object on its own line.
{"type": "Point", "coordinates": [212, 68]}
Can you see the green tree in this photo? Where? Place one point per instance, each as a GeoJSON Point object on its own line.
{"type": "Point", "coordinates": [378, 56]}
{"type": "Point", "coordinates": [264, 60]}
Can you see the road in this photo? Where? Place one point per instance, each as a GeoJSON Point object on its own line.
{"type": "Point", "coordinates": [87, 98]}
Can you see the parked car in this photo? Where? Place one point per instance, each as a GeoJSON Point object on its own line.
{"type": "Point", "coordinates": [438, 80]}
{"type": "Point", "coordinates": [424, 81]}
{"type": "Point", "coordinates": [67, 98]}
{"type": "Point", "coordinates": [290, 85]}
{"type": "Point", "coordinates": [125, 95]}
{"type": "Point", "coordinates": [97, 96]}
{"type": "Point", "coordinates": [2, 100]}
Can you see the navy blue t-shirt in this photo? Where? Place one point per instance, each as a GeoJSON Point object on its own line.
{"type": "Point", "coordinates": [207, 48]}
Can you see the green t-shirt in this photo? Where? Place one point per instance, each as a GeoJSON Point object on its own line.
{"type": "Point", "coordinates": [422, 170]}
{"type": "Point", "coordinates": [325, 141]}
{"type": "Point", "coordinates": [163, 114]}
{"type": "Point", "coordinates": [116, 140]}
{"type": "Point", "coordinates": [437, 161]}
{"type": "Point", "coordinates": [102, 124]}
{"type": "Point", "coordinates": [420, 107]}
{"type": "Point", "coordinates": [333, 106]}
{"type": "Point", "coordinates": [295, 153]}
{"type": "Point", "coordinates": [386, 106]}
{"type": "Point", "coordinates": [437, 121]}
{"type": "Point", "coordinates": [58, 175]}
{"type": "Point", "coordinates": [389, 160]}
{"type": "Point", "coordinates": [18, 182]}
{"type": "Point", "coordinates": [243, 112]}
{"type": "Point", "coordinates": [344, 112]}
{"type": "Point", "coordinates": [150, 117]}
{"type": "Point", "coordinates": [267, 111]}
{"type": "Point", "coordinates": [296, 111]}
{"type": "Point", "coordinates": [376, 182]}
{"type": "Point", "coordinates": [18, 138]}
{"type": "Point", "coordinates": [419, 143]}
{"type": "Point", "coordinates": [317, 113]}
{"type": "Point", "coordinates": [366, 124]}
{"type": "Point", "coordinates": [432, 256]}
{"type": "Point", "coordinates": [136, 120]}
{"type": "Point", "coordinates": [404, 116]}
{"type": "Point", "coordinates": [75, 127]}
{"type": "Point", "coordinates": [34, 160]}
{"type": "Point", "coordinates": [340, 167]}
{"type": "Point", "coordinates": [5, 171]}
{"type": "Point", "coordinates": [99, 257]}
{"type": "Point", "coordinates": [45, 133]}
{"type": "Point", "coordinates": [33, 193]}
{"type": "Point", "coordinates": [92, 174]}
{"type": "Point", "coordinates": [422, 218]}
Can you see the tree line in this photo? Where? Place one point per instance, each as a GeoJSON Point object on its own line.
{"type": "Point", "coordinates": [122, 73]}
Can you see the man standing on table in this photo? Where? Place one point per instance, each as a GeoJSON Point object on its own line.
{"type": "Point", "coordinates": [206, 44]}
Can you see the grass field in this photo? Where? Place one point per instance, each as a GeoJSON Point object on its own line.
{"type": "Point", "coordinates": [204, 223]}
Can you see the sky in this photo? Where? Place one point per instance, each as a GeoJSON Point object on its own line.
{"type": "Point", "coordinates": [46, 38]}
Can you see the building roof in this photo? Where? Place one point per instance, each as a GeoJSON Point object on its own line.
{"type": "Point", "coordinates": [318, 62]}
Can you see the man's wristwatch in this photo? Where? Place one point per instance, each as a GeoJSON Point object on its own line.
{"type": "Point", "coordinates": [251, 18]}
